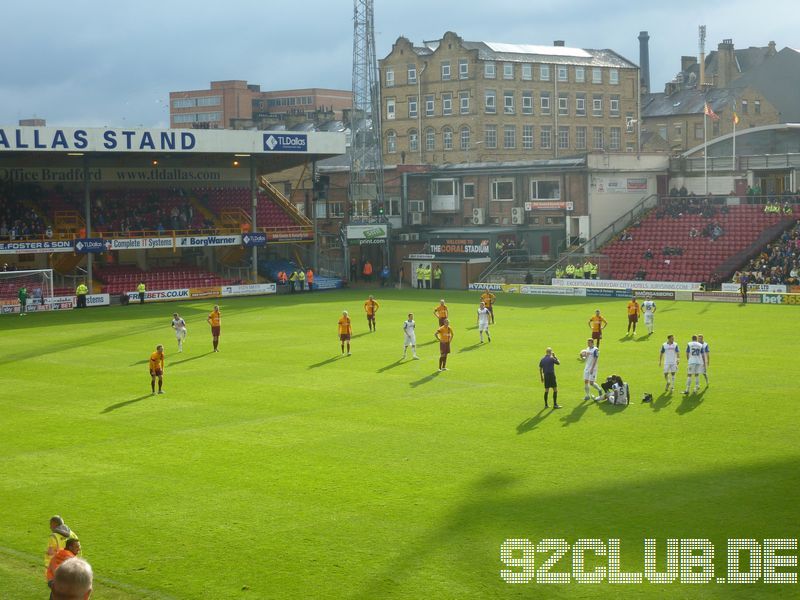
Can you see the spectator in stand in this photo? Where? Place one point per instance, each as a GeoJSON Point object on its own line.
{"type": "Point", "coordinates": [693, 232]}
{"type": "Point", "coordinates": [648, 254]}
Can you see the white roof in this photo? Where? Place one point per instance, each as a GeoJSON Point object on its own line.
{"type": "Point", "coordinates": [534, 49]}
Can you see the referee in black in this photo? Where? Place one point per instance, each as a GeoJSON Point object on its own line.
{"type": "Point", "coordinates": [547, 373]}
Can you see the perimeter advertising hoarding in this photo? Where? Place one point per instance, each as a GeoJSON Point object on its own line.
{"type": "Point", "coordinates": [459, 247]}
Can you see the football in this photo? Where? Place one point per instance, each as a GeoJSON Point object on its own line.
{"type": "Point", "coordinates": [583, 354]}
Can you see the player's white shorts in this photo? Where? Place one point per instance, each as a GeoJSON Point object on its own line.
{"type": "Point", "coordinates": [694, 369]}
{"type": "Point", "coordinates": [670, 367]}
{"type": "Point", "coordinates": [590, 375]}
{"type": "Point", "coordinates": [648, 318]}
{"type": "Point", "coordinates": [180, 333]}
{"type": "Point", "coordinates": [411, 340]}
{"type": "Point", "coordinates": [483, 326]}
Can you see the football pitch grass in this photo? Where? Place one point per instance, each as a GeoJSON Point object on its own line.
{"type": "Point", "coordinates": [277, 468]}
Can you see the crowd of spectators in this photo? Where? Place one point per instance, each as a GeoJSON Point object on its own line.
{"type": "Point", "coordinates": [157, 211]}
{"type": "Point", "coordinates": [778, 263]}
{"type": "Point", "coordinates": [18, 220]}
{"type": "Point", "coordinates": [682, 203]}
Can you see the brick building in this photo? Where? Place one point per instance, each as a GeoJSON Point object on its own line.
{"type": "Point", "coordinates": [235, 103]}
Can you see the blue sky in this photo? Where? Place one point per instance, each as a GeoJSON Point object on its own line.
{"type": "Point", "coordinates": [96, 63]}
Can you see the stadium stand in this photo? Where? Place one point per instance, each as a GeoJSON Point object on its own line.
{"type": "Point", "coordinates": [777, 263]}
{"type": "Point", "coordinates": [682, 240]}
{"type": "Point", "coordinates": [125, 278]}
{"type": "Point", "coordinates": [268, 214]}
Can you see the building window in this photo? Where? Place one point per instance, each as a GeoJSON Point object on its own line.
{"type": "Point", "coordinates": [390, 109]}
{"type": "Point", "coordinates": [447, 104]}
{"type": "Point", "coordinates": [615, 139]}
{"type": "Point", "coordinates": [447, 138]}
{"type": "Point", "coordinates": [412, 73]}
{"type": "Point", "coordinates": [502, 190]}
{"type": "Point", "coordinates": [468, 189]}
{"type": "Point", "coordinates": [465, 138]}
{"type": "Point", "coordinates": [544, 72]}
{"type": "Point", "coordinates": [446, 71]}
{"type": "Point", "coordinates": [509, 137]}
{"type": "Point", "coordinates": [544, 103]}
{"type": "Point", "coordinates": [490, 136]}
{"type": "Point", "coordinates": [662, 132]}
{"type": "Point", "coordinates": [597, 138]}
{"type": "Point", "coordinates": [209, 100]}
{"type": "Point", "coordinates": [698, 131]}
{"type": "Point", "coordinates": [562, 73]}
{"type": "Point", "coordinates": [508, 71]}
{"type": "Point", "coordinates": [508, 102]}
{"type": "Point", "coordinates": [413, 140]}
{"type": "Point", "coordinates": [527, 137]}
{"type": "Point", "coordinates": [545, 137]}
{"type": "Point", "coordinates": [430, 139]}
{"type": "Point", "coordinates": [430, 105]}
{"type": "Point", "coordinates": [597, 75]}
{"type": "Point", "coordinates": [527, 72]}
{"type": "Point", "coordinates": [563, 138]}
{"type": "Point", "coordinates": [580, 105]}
{"type": "Point", "coordinates": [715, 128]}
{"type": "Point", "coordinates": [744, 107]}
{"type": "Point", "coordinates": [678, 131]}
{"type": "Point", "coordinates": [597, 105]}
{"type": "Point", "coordinates": [412, 107]}
{"type": "Point", "coordinates": [629, 122]}
{"type": "Point", "coordinates": [489, 70]}
{"type": "Point", "coordinates": [545, 189]}
{"type": "Point", "coordinates": [490, 102]}
{"type": "Point", "coordinates": [389, 77]}
{"type": "Point", "coordinates": [757, 107]}
{"type": "Point", "coordinates": [527, 103]}
{"type": "Point", "coordinates": [613, 106]}
{"type": "Point", "coordinates": [391, 141]}
{"type": "Point", "coordinates": [613, 76]}
{"type": "Point", "coordinates": [463, 102]}
{"type": "Point", "coordinates": [580, 138]}
{"type": "Point", "coordinates": [183, 103]}
{"type": "Point", "coordinates": [580, 74]}
{"type": "Point", "coordinates": [463, 68]}
{"type": "Point", "coordinates": [563, 104]}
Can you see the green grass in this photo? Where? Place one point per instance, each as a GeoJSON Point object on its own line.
{"type": "Point", "coordinates": [278, 469]}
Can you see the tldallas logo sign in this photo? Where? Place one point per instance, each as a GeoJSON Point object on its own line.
{"type": "Point", "coordinates": [285, 142]}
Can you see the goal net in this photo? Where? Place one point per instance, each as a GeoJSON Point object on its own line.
{"type": "Point", "coordinates": [38, 283]}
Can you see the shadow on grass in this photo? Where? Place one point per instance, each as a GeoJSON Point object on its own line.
{"type": "Point", "coordinates": [691, 402]}
{"type": "Point", "coordinates": [173, 363]}
{"type": "Point", "coordinates": [576, 414]}
{"type": "Point", "coordinates": [327, 361]}
{"type": "Point", "coordinates": [119, 405]}
{"type": "Point", "coordinates": [470, 348]}
{"type": "Point", "coordinates": [664, 400]}
{"type": "Point", "coordinates": [493, 504]}
{"type": "Point", "coordinates": [531, 423]}
{"type": "Point", "coordinates": [611, 409]}
{"type": "Point", "coordinates": [428, 343]}
{"type": "Point", "coordinates": [425, 379]}
{"type": "Point", "coordinates": [644, 338]}
{"type": "Point", "coordinates": [396, 363]}
{"type": "Point", "coordinates": [358, 335]}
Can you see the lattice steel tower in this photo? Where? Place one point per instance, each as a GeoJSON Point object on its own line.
{"type": "Point", "coordinates": [366, 149]}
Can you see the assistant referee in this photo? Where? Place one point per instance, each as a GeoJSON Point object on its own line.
{"type": "Point", "coordinates": [547, 373]}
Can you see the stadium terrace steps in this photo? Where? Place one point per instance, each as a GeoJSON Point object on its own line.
{"type": "Point", "coordinates": [117, 280]}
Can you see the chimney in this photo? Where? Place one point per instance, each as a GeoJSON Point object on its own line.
{"type": "Point", "coordinates": [644, 62]}
{"type": "Point", "coordinates": [559, 43]}
{"type": "Point", "coordinates": [726, 63]}
{"type": "Point", "coordinates": [771, 51]}
{"type": "Point", "coordinates": [687, 62]}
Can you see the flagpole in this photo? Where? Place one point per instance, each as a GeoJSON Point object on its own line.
{"type": "Point", "coordinates": [705, 150]}
{"type": "Point", "coordinates": [733, 158]}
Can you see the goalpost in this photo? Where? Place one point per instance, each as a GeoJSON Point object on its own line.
{"type": "Point", "coordinates": [38, 282]}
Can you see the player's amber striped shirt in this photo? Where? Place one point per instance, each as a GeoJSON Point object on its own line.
{"type": "Point", "coordinates": [157, 361]}
{"type": "Point", "coordinates": [441, 311]}
{"type": "Point", "coordinates": [344, 326]}
{"type": "Point", "coordinates": [445, 333]}
{"type": "Point", "coordinates": [215, 318]}
{"type": "Point", "coordinates": [371, 306]}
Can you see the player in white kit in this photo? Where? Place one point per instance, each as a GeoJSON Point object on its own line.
{"type": "Point", "coordinates": [706, 355]}
{"type": "Point", "coordinates": [591, 355]}
{"type": "Point", "coordinates": [409, 331]}
{"type": "Point", "coordinates": [649, 310]}
{"type": "Point", "coordinates": [484, 314]}
{"type": "Point", "coordinates": [179, 325]}
{"type": "Point", "coordinates": [695, 361]}
{"type": "Point", "coordinates": [670, 355]}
